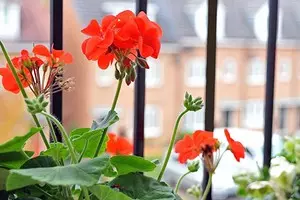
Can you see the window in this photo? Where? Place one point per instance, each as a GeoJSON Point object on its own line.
{"type": "Point", "coordinates": [10, 17]}
{"type": "Point", "coordinates": [285, 69]}
{"type": "Point", "coordinates": [256, 72]}
{"type": "Point", "coordinates": [152, 121]}
{"type": "Point", "coordinates": [154, 73]}
{"type": "Point", "coordinates": [196, 72]}
{"type": "Point", "coordinates": [200, 21]}
{"type": "Point", "coordinates": [229, 70]}
{"type": "Point", "coordinates": [227, 116]}
{"type": "Point", "coordinates": [261, 23]}
{"type": "Point", "coordinates": [194, 120]}
{"type": "Point", "coordinates": [254, 114]}
{"type": "Point", "coordinates": [298, 119]}
{"type": "Point", "coordinates": [105, 78]}
{"type": "Point", "coordinates": [119, 6]}
{"type": "Point", "coordinates": [283, 118]}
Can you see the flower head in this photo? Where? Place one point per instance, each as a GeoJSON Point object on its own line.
{"type": "Point", "coordinates": [235, 147]}
{"type": "Point", "coordinates": [192, 146]}
{"type": "Point", "coordinates": [118, 145]}
{"type": "Point", "coordinates": [56, 58]}
{"type": "Point", "coordinates": [120, 38]}
{"type": "Point", "coordinates": [28, 69]}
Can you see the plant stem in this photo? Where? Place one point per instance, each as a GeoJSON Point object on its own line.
{"type": "Point", "coordinates": [207, 187]}
{"type": "Point", "coordinates": [45, 193]}
{"type": "Point", "coordinates": [64, 135]}
{"type": "Point", "coordinates": [69, 145]}
{"type": "Point", "coordinates": [14, 72]}
{"type": "Point", "coordinates": [179, 181]}
{"type": "Point", "coordinates": [171, 146]}
{"type": "Point", "coordinates": [86, 193]}
{"type": "Point", "coordinates": [112, 109]}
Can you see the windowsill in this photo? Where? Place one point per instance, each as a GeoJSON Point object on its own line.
{"type": "Point", "coordinates": [255, 82]}
{"type": "Point", "coordinates": [195, 83]}
{"type": "Point", "coordinates": [284, 79]}
{"type": "Point", "coordinates": [229, 79]}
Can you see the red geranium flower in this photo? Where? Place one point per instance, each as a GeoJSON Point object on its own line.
{"type": "Point", "coordinates": [8, 81]}
{"type": "Point", "coordinates": [235, 147]}
{"type": "Point", "coordinates": [120, 37]}
{"type": "Point", "coordinates": [117, 145]}
{"type": "Point", "coordinates": [56, 58]}
{"type": "Point", "coordinates": [192, 146]}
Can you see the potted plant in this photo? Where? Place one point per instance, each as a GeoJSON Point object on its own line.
{"type": "Point", "coordinates": [90, 163]}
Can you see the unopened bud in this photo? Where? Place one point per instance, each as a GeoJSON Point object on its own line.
{"type": "Point", "coordinates": [193, 166]}
{"type": "Point", "coordinates": [128, 80]}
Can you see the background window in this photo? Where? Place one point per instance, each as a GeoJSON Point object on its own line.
{"type": "Point", "coordinates": [285, 69]}
{"type": "Point", "coordinates": [196, 72]}
{"type": "Point", "coordinates": [229, 70]}
{"type": "Point", "coordinates": [152, 121]}
{"type": "Point", "coordinates": [256, 72]}
{"type": "Point", "coordinates": [10, 17]}
{"type": "Point", "coordinates": [254, 115]}
{"type": "Point", "coordinates": [194, 120]}
{"type": "Point", "coordinates": [282, 118]}
{"type": "Point", "coordinates": [154, 73]}
{"type": "Point", "coordinates": [105, 78]}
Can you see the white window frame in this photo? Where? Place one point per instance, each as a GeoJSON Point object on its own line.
{"type": "Point", "coordinates": [285, 76]}
{"type": "Point", "coordinates": [230, 64]}
{"type": "Point", "coordinates": [10, 25]}
{"type": "Point", "coordinates": [257, 78]}
{"type": "Point", "coordinates": [105, 78]}
{"type": "Point", "coordinates": [256, 118]}
{"type": "Point", "coordinates": [155, 68]}
{"type": "Point", "coordinates": [261, 23]}
{"type": "Point", "coordinates": [153, 131]}
{"type": "Point", "coordinates": [194, 120]}
{"type": "Point", "coordinates": [194, 65]}
{"type": "Point", "coordinates": [118, 6]}
{"type": "Point", "coordinates": [200, 21]}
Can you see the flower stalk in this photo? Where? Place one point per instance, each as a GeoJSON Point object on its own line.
{"type": "Point", "coordinates": [171, 145]}
{"type": "Point", "coordinates": [24, 94]}
{"type": "Point", "coordinates": [180, 180]}
{"type": "Point", "coordinates": [206, 191]}
{"type": "Point", "coordinates": [112, 109]}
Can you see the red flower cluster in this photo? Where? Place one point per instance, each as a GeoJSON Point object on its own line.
{"type": "Point", "coordinates": [118, 145]}
{"type": "Point", "coordinates": [28, 70]}
{"type": "Point", "coordinates": [191, 146]}
{"type": "Point", "coordinates": [120, 37]}
{"type": "Point", "coordinates": [202, 142]}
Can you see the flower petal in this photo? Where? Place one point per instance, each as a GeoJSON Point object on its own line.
{"type": "Point", "coordinates": [41, 50]}
{"type": "Point", "coordinates": [92, 29]}
{"type": "Point", "coordinates": [105, 60]}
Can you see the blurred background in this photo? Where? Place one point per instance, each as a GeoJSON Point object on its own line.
{"type": "Point", "coordinates": [240, 79]}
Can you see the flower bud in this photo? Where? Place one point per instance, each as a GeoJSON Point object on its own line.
{"type": "Point", "coordinates": [195, 190]}
{"type": "Point", "coordinates": [127, 80]}
{"type": "Point", "coordinates": [193, 166]}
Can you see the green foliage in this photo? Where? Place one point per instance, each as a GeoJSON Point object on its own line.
{"type": "Point", "coordinates": [18, 142]}
{"type": "Point", "coordinates": [14, 160]}
{"type": "Point", "coordinates": [103, 192]}
{"type": "Point", "coordinates": [84, 174]}
{"type": "Point", "coordinates": [140, 187]}
{"type": "Point", "coordinates": [110, 119]}
{"type": "Point", "coordinates": [281, 181]}
{"type": "Point", "coordinates": [85, 141]}
{"type": "Point", "coordinates": [127, 164]}
{"type": "Point", "coordinates": [58, 151]}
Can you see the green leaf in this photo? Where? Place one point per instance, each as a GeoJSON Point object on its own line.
{"type": "Point", "coordinates": [57, 150]}
{"type": "Point", "coordinates": [13, 160]}
{"type": "Point", "coordinates": [39, 162]}
{"type": "Point", "coordinates": [18, 142]}
{"type": "Point", "coordinates": [93, 138]}
{"type": "Point", "coordinates": [103, 192]}
{"type": "Point", "coordinates": [110, 171]}
{"type": "Point", "coordinates": [3, 176]}
{"type": "Point", "coordinates": [110, 119]}
{"type": "Point", "coordinates": [78, 132]}
{"type": "Point", "coordinates": [85, 174]}
{"type": "Point", "coordinates": [140, 187]}
{"type": "Point", "coordinates": [127, 164]}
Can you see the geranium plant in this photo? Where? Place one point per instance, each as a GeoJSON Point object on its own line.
{"type": "Point", "coordinates": [91, 163]}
